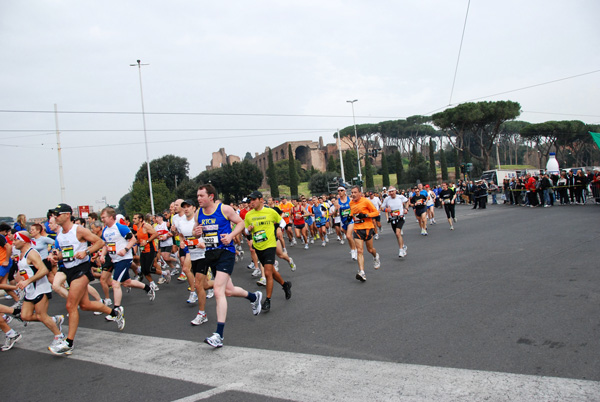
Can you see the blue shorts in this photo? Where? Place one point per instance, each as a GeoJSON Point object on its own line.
{"type": "Point", "coordinates": [5, 270]}
{"type": "Point", "coordinates": [309, 221]}
{"type": "Point", "coordinates": [346, 223]}
{"type": "Point", "coordinates": [121, 270]}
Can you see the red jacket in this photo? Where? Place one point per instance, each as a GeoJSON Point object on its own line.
{"type": "Point", "coordinates": [530, 185]}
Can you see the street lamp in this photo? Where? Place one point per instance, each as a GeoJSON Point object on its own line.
{"type": "Point", "coordinates": [356, 139]}
{"type": "Point", "coordinates": [139, 66]}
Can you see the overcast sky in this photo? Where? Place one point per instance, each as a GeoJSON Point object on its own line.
{"type": "Point", "coordinates": [208, 61]}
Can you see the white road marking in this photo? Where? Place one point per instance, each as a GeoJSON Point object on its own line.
{"type": "Point", "coordinates": [305, 377]}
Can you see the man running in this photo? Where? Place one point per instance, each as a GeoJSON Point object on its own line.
{"type": "Point", "coordinates": [363, 213]}
{"type": "Point", "coordinates": [214, 225]}
{"type": "Point", "coordinates": [448, 197]}
{"type": "Point", "coordinates": [396, 206]}
{"type": "Point", "coordinates": [418, 201]}
{"type": "Point", "coordinates": [72, 241]}
{"type": "Point", "coordinates": [343, 206]}
{"type": "Point", "coordinates": [259, 223]}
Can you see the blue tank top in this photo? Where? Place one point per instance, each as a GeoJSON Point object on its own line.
{"type": "Point", "coordinates": [215, 225]}
{"type": "Point", "coordinates": [345, 210]}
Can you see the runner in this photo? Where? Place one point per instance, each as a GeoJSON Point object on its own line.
{"type": "Point", "coordinates": [214, 226]}
{"type": "Point", "coordinates": [418, 202]}
{"type": "Point", "coordinates": [146, 236]}
{"type": "Point", "coordinates": [347, 223]}
{"type": "Point", "coordinates": [363, 213]}
{"type": "Point", "coordinates": [286, 211]}
{"type": "Point", "coordinates": [298, 214]}
{"type": "Point", "coordinates": [37, 288]}
{"type": "Point", "coordinates": [319, 212]}
{"type": "Point", "coordinates": [448, 197]}
{"type": "Point", "coordinates": [430, 204]}
{"type": "Point", "coordinates": [396, 206]}
{"type": "Point", "coordinates": [259, 223]}
{"type": "Point", "coordinates": [195, 259]}
{"type": "Point", "coordinates": [377, 220]}
{"type": "Point", "coordinates": [74, 253]}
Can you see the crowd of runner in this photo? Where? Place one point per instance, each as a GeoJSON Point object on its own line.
{"type": "Point", "coordinates": [197, 242]}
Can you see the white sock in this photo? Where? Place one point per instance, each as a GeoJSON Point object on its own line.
{"type": "Point", "coordinates": [11, 333]}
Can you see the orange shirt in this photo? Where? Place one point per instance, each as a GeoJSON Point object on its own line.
{"type": "Point", "coordinates": [363, 206]}
{"type": "Point", "coordinates": [286, 210]}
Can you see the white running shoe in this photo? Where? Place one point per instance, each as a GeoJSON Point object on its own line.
{"type": "Point", "coordinates": [200, 319]}
{"type": "Point", "coordinates": [326, 239]}
{"type": "Point", "coordinates": [60, 348]}
{"type": "Point", "coordinates": [292, 264]}
{"type": "Point", "coordinates": [256, 305]}
{"type": "Point", "coordinates": [210, 293]}
{"type": "Point", "coordinates": [154, 286]}
{"type": "Point", "coordinates": [361, 276]}
{"type": "Point", "coordinates": [306, 246]}
{"type": "Point", "coordinates": [120, 319]}
{"type": "Point", "coordinates": [276, 265]}
{"type": "Point", "coordinates": [193, 298]}
{"type": "Point", "coordinates": [376, 261]}
{"type": "Point", "coordinates": [324, 244]}
{"type": "Point", "coordinates": [151, 294]}
{"type": "Point", "coordinates": [354, 254]}
{"type": "Point", "coordinates": [342, 241]}
{"type": "Point", "coordinates": [256, 273]}
{"type": "Point", "coordinates": [312, 241]}
{"type": "Point", "coordinates": [402, 253]}
{"type": "Point", "coordinates": [161, 280]}
{"type": "Point", "coordinates": [262, 281]}
{"type": "Point", "coordinates": [215, 340]}
{"type": "Point", "coordinates": [251, 265]}
{"type": "Point", "coordinates": [376, 236]}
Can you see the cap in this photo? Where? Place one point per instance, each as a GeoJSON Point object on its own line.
{"type": "Point", "coordinates": [384, 188]}
{"type": "Point", "coordinates": [63, 209]}
{"type": "Point", "coordinates": [187, 202]}
{"type": "Point", "coordinates": [426, 185]}
{"type": "Point", "coordinates": [245, 199]}
{"type": "Point", "coordinates": [341, 188]}
{"type": "Point", "coordinates": [283, 197]}
{"type": "Point", "coordinates": [257, 194]}
{"type": "Point", "coordinates": [121, 219]}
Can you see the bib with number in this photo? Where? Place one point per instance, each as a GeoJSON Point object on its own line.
{"type": "Point", "coordinates": [191, 242]}
{"type": "Point", "coordinates": [260, 236]}
{"type": "Point", "coordinates": [345, 213]}
{"type": "Point", "coordinates": [112, 248]}
{"type": "Point", "coordinates": [68, 254]}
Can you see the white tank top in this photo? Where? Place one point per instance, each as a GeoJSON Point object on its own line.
{"type": "Point", "coordinates": [69, 245]}
{"type": "Point", "coordinates": [186, 236]}
{"type": "Point", "coordinates": [27, 271]}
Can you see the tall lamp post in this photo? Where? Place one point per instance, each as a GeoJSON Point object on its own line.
{"type": "Point", "coordinates": [139, 66]}
{"type": "Point", "coordinates": [356, 139]}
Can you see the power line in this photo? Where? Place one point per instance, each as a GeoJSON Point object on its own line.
{"type": "Point", "coordinates": [459, 51]}
{"type": "Point", "coordinates": [159, 130]}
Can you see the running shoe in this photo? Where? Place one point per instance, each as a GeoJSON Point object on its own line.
{"type": "Point", "coordinates": [402, 253]}
{"type": "Point", "coordinates": [109, 318]}
{"type": "Point", "coordinates": [287, 288]}
{"type": "Point", "coordinates": [256, 273]}
{"type": "Point", "coordinates": [154, 286]}
{"type": "Point", "coordinates": [56, 342]}
{"type": "Point", "coordinates": [354, 254]}
{"type": "Point", "coordinates": [167, 276]}
{"type": "Point", "coordinates": [424, 232]}
{"type": "Point", "coordinates": [312, 241]}
{"type": "Point", "coordinates": [376, 261]}
{"type": "Point", "coordinates": [256, 306]}
{"type": "Point", "coordinates": [7, 318]}
{"type": "Point", "coordinates": [151, 294]}
{"type": "Point", "coordinates": [293, 242]}
{"type": "Point", "coordinates": [200, 319]}
{"type": "Point", "coordinates": [262, 281]}
{"type": "Point", "coordinates": [376, 236]}
{"type": "Point", "coordinates": [10, 341]}
{"type": "Point", "coordinates": [326, 239]}
{"type": "Point", "coordinates": [61, 348]}
{"type": "Point", "coordinates": [108, 302]}
{"type": "Point", "coordinates": [276, 265]}
{"type": "Point", "coordinates": [342, 241]}
{"type": "Point", "coordinates": [215, 341]}
{"type": "Point", "coordinates": [292, 264]}
{"type": "Point", "coordinates": [59, 320]}
{"type": "Point", "coordinates": [182, 277]}
{"type": "Point", "coordinates": [361, 276]}
{"type": "Point", "coordinates": [210, 293]}
{"type": "Point", "coordinates": [306, 246]}
{"type": "Point", "coordinates": [251, 265]}
{"type": "Point", "coordinates": [285, 250]}
{"type": "Point", "coordinates": [241, 254]}
{"type": "Point", "coordinates": [120, 319]}
{"type": "Point", "coordinates": [161, 280]}
{"type": "Point", "coordinates": [455, 220]}
{"type": "Point", "coordinates": [451, 227]}
{"type": "Point", "coordinates": [193, 298]}
{"type": "Point", "coordinates": [339, 239]}
{"type": "Point", "coordinates": [323, 244]}
{"type": "Point", "coordinates": [266, 307]}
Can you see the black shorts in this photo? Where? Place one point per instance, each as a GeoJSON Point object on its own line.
{"type": "Point", "coordinates": [220, 260]}
{"type": "Point", "coordinates": [363, 234]}
{"type": "Point", "coordinates": [300, 226]}
{"type": "Point", "coordinates": [39, 298]}
{"type": "Point", "coordinates": [108, 264]}
{"type": "Point", "coordinates": [337, 224]}
{"type": "Point", "coordinates": [76, 272]}
{"type": "Point", "coordinates": [199, 266]}
{"type": "Point", "coordinates": [182, 252]}
{"type": "Point", "coordinates": [420, 210]}
{"type": "Point", "coordinates": [147, 262]}
{"type": "Point", "coordinates": [166, 249]}
{"type": "Point", "coordinates": [289, 226]}
{"type": "Point", "coordinates": [397, 223]}
{"type": "Point", "coordinates": [377, 218]}
{"type": "Point", "coordinates": [266, 256]}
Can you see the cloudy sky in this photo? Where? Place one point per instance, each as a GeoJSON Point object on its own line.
{"type": "Point", "coordinates": [245, 75]}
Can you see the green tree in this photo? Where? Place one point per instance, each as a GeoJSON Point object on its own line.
{"type": "Point", "coordinates": [369, 182]}
{"type": "Point", "coordinates": [385, 173]}
{"type": "Point", "coordinates": [350, 165]}
{"type": "Point", "coordinates": [418, 171]}
{"type": "Point", "coordinates": [443, 165]}
{"type": "Point", "coordinates": [332, 166]}
{"type": "Point", "coordinates": [139, 201]}
{"type": "Point", "coordinates": [272, 179]}
{"type": "Point", "coordinates": [399, 169]}
{"type": "Point", "coordinates": [432, 170]}
{"type": "Point", "coordinates": [319, 182]}
{"type": "Point", "coordinates": [293, 173]}
{"type": "Point", "coordinates": [248, 156]}
{"type": "Point", "coordinates": [166, 169]}
{"type": "Point", "coordinates": [456, 165]}
{"type": "Point", "coordinates": [238, 180]}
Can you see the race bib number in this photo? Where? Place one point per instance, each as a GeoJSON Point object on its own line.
{"type": "Point", "coordinates": [286, 214]}
{"type": "Point", "coordinates": [68, 254]}
{"type": "Point", "coordinates": [211, 239]}
{"type": "Point", "coordinates": [260, 236]}
{"type": "Point", "coordinates": [112, 248]}
{"type": "Point", "coordinates": [23, 274]}
{"type": "Point", "coordinates": [396, 213]}
{"type": "Point", "coordinates": [345, 213]}
{"type": "Point", "coordinates": [191, 242]}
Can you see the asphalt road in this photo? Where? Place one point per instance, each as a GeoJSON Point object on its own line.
{"type": "Point", "coordinates": [505, 307]}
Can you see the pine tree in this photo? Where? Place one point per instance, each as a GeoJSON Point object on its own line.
{"type": "Point", "coordinates": [272, 176]}
{"type": "Point", "coordinates": [432, 170]}
{"type": "Point", "coordinates": [399, 169]}
{"type": "Point", "coordinates": [293, 173]}
{"type": "Point", "coordinates": [385, 173]}
{"type": "Point", "coordinates": [369, 183]}
{"type": "Point", "coordinates": [443, 165]}
{"type": "Point", "coordinates": [350, 166]}
{"type": "Point", "coordinates": [331, 165]}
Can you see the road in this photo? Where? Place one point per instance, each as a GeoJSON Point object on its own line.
{"type": "Point", "coordinates": [505, 307]}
